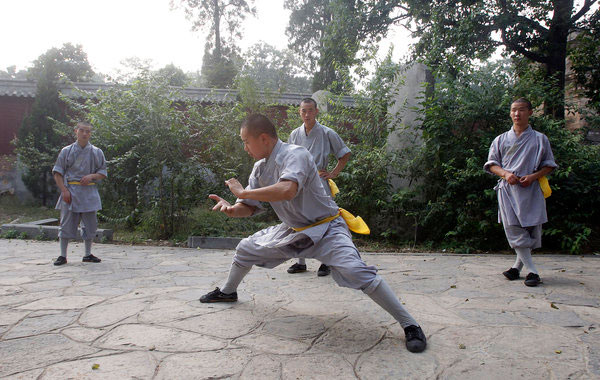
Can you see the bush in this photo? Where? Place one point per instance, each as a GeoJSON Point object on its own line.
{"type": "Point", "coordinates": [453, 202]}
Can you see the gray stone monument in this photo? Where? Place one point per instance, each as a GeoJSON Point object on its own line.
{"type": "Point", "coordinates": [412, 85]}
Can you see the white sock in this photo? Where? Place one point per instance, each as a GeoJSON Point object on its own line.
{"type": "Point", "coordinates": [385, 297]}
{"type": "Point", "coordinates": [236, 275]}
{"type": "Point", "coordinates": [63, 247]}
{"type": "Point", "coordinates": [518, 265]}
{"type": "Point", "coordinates": [302, 261]}
{"type": "Point", "coordinates": [524, 254]}
{"type": "Point", "coordinates": [88, 247]}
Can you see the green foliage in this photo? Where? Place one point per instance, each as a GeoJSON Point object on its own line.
{"type": "Point", "coordinates": [165, 155]}
{"type": "Point", "coordinates": [174, 75]}
{"type": "Point", "coordinates": [37, 143]}
{"type": "Point", "coordinates": [144, 138]}
{"type": "Point", "coordinates": [452, 202]}
{"type": "Point", "coordinates": [10, 234]}
{"type": "Point", "coordinates": [12, 73]}
{"type": "Point", "coordinates": [324, 35]}
{"type": "Point", "coordinates": [210, 223]}
{"type": "Point", "coordinates": [69, 62]}
{"type": "Point", "coordinates": [218, 71]}
{"type": "Point", "coordinates": [364, 182]}
{"type": "Point", "coordinates": [331, 37]}
{"type": "Point", "coordinates": [219, 66]}
{"type": "Point", "coordinates": [273, 69]}
{"type": "Point", "coordinates": [585, 59]}
{"type": "Point", "coordinates": [453, 35]}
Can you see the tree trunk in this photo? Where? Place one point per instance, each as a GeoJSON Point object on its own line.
{"type": "Point", "coordinates": [557, 54]}
{"type": "Point", "coordinates": [217, 22]}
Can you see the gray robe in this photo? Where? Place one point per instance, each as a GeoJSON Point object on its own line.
{"type": "Point", "coordinates": [523, 155]}
{"type": "Point", "coordinates": [73, 163]}
{"type": "Point", "coordinates": [320, 142]}
{"type": "Point", "coordinates": [330, 243]}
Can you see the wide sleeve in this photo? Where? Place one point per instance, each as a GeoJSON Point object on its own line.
{"type": "Point", "coordinates": [494, 156]}
{"type": "Point", "coordinates": [338, 147]}
{"type": "Point", "coordinates": [546, 157]}
{"type": "Point", "coordinates": [296, 166]}
{"type": "Point", "coordinates": [60, 166]}
{"type": "Point", "coordinates": [253, 184]}
{"type": "Point", "coordinates": [101, 162]}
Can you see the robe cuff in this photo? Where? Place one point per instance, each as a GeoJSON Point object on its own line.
{"type": "Point", "coordinates": [489, 164]}
{"type": "Point", "coordinates": [258, 207]}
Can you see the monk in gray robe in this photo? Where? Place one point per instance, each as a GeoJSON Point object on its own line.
{"type": "Point", "coordinates": [78, 169]}
{"type": "Point", "coordinates": [286, 176]}
{"type": "Point", "coordinates": [320, 141]}
{"type": "Point", "coordinates": [521, 158]}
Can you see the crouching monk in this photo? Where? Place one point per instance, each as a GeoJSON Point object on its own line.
{"type": "Point", "coordinates": [286, 176]}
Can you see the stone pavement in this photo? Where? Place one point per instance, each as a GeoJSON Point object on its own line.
{"type": "Point", "coordinates": [137, 315]}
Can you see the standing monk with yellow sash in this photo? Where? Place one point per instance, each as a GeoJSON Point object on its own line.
{"type": "Point", "coordinates": [78, 169]}
{"type": "Point", "coordinates": [320, 141]}
{"type": "Point", "coordinates": [521, 157]}
{"type": "Point", "coordinates": [286, 176]}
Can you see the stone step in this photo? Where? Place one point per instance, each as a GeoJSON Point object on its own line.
{"type": "Point", "coordinates": [42, 222]}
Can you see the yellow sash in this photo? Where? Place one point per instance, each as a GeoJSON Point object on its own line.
{"type": "Point", "coordinates": [355, 224]}
{"type": "Point", "coordinates": [333, 187]}
{"type": "Point", "coordinates": [79, 183]}
{"type": "Point", "coordinates": [545, 186]}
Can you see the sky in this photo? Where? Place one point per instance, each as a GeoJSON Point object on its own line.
{"type": "Point", "coordinates": [113, 30]}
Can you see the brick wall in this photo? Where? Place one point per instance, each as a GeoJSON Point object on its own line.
{"type": "Point", "coordinates": [12, 111]}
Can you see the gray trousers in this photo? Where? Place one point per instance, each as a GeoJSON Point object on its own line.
{"type": "Point", "coordinates": [524, 237]}
{"type": "Point", "coordinates": [69, 222]}
{"type": "Point", "coordinates": [334, 249]}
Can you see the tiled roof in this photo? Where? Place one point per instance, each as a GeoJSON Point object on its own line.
{"type": "Point", "coordinates": [23, 88]}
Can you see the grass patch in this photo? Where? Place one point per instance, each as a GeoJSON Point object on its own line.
{"type": "Point", "coordinates": [12, 210]}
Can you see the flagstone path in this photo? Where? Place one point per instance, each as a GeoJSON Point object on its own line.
{"type": "Point", "coordinates": [137, 315]}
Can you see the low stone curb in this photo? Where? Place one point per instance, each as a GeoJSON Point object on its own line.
{"type": "Point", "coordinates": [36, 231]}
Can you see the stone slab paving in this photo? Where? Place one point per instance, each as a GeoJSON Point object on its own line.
{"type": "Point", "coordinates": [137, 315]}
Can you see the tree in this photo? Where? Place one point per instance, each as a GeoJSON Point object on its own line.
{"type": "Point", "coordinates": [330, 34]}
{"type": "Point", "coordinates": [210, 14]}
{"type": "Point", "coordinates": [585, 59]}
{"type": "Point", "coordinates": [37, 143]}
{"type": "Point", "coordinates": [452, 34]}
{"type": "Point", "coordinates": [322, 33]}
{"type": "Point", "coordinates": [273, 69]}
{"type": "Point", "coordinates": [69, 61]}
{"type": "Point", "coordinates": [12, 73]}
{"type": "Point", "coordinates": [218, 72]}
{"type": "Point", "coordinates": [173, 75]}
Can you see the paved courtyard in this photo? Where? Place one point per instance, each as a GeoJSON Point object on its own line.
{"type": "Point", "coordinates": [137, 315]}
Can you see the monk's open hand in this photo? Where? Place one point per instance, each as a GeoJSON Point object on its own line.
{"type": "Point", "coordinates": [235, 186]}
{"type": "Point", "coordinates": [527, 180]}
{"type": "Point", "coordinates": [222, 205]}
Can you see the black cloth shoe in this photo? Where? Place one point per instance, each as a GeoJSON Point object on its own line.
{"type": "Point", "coordinates": [90, 259]}
{"type": "Point", "coordinates": [415, 339]}
{"type": "Point", "coordinates": [297, 268]}
{"type": "Point", "coordinates": [323, 270]}
{"type": "Point", "coordinates": [532, 279]}
{"type": "Point", "coordinates": [512, 274]}
{"type": "Point", "coordinates": [60, 260]}
{"type": "Point", "coordinates": [218, 296]}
